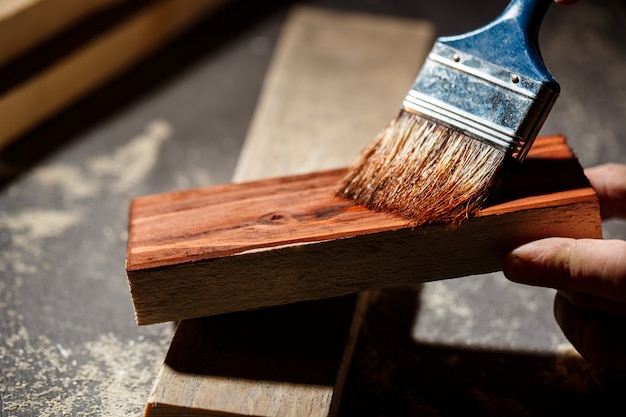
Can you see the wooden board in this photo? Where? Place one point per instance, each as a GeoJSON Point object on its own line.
{"type": "Point", "coordinates": [257, 244]}
{"type": "Point", "coordinates": [293, 360]}
{"type": "Point", "coordinates": [26, 23]}
{"type": "Point", "coordinates": [334, 82]}
{"type": "Point", "coordinates": [283, 361]}
{"type": "Point", "coordinates": [29, 96]}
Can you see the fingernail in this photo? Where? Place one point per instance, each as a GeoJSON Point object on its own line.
{"type": "Point", "coordinates": [518, 267]}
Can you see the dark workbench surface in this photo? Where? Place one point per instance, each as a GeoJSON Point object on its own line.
{"type": "Point", "coordinates": [68, 341]}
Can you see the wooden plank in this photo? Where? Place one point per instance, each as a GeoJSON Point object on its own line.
{"type": "Point", "coordinates": [26, 23]}
{"type": "Point", "coordinates": [291, 360]}
{"type": "Point", "coordinates": [331, 86]}
{"type": "Point", "coordinates": [257, 244]}
{"type": "Point", "coordinates": [283, 361]}
{"type": "Point", "coordinates": [99, 59]}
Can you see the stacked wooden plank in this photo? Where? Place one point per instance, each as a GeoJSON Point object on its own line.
{"type": "Point", "coordinates": [53, 52]}
{"type": "Point", "coordinates": [313, 114]}
{"type": "Point", "coordinates": [293, 255]}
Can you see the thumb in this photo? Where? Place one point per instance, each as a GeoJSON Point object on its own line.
{"type": "Point", "coordinates": [586, 265]}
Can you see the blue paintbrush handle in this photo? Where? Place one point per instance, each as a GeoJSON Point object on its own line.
{"type": "Point", "coordinates": [510, 41]}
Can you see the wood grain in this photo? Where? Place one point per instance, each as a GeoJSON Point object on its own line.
{"type": "Point", "coordinates": [282, 361]}
{"type": "Point", "coordinates": [293, 360]}
{"type": "Point", "coordinates": [257, 244]}
{"type": "Point", "coordinates": [333, 83]}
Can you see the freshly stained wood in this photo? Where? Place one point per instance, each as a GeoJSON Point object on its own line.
{"type": "Point", "coordinates": [276, 241]}
{"type": "Point", "coordinates": [293, 360]}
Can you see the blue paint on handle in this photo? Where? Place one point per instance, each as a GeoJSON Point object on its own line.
{"type": "Point", "coordinates": [510, 41]}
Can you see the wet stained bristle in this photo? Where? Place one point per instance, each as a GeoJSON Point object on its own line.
{"type": "Point", "coordinates": [424, 171]}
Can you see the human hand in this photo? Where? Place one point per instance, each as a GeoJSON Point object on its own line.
{"type": "Point", "coordinates": [589, 274]}
{"type": "Point", "coordinates": [566, 2]}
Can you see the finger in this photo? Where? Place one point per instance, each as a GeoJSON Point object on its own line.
{"type": "Point", "coordinates": [599, 338]}
{"type": "Point", "coordinates": [566, 2]}
{"type": "Point", "coordinates": [591, 302]}
{"type": "Point", "coordinates": [587, 265]}
{"type": "Point", "coordinates": [609, 181]}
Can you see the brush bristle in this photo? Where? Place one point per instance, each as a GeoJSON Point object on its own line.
{"type": "Point", "coordinates": [425, 172]}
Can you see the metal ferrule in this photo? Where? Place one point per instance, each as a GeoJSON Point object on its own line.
{"type": "Point", "coordinates": [480, 99]}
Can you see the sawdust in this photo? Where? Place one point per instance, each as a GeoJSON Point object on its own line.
{"type": "Point", "coordinates": [438, 297]}
{"type": "Point", "coordinates": [70, 179]}
{"type": "Point", "coordinates": [47, 377]}
{"type": "Point", "coordinates": [30, 226]}
{"type": "Point", "coordinates": [129, 164]}
{"type": "Point", "coordinates": [68, 378]}
{"type": "Point", "coordinates": [463, 311]}
{"type": "Point", "coordinates": [28, 230]}
{"type": "Point", "coordinates": [117, 172]}
{"type": "Point", "coordinates": [23, 233]}
{"type": "Point", "coordinates": [441, 301]}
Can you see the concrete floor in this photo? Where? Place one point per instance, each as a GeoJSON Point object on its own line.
{"type": "Point", "coordinates": [68, 341]}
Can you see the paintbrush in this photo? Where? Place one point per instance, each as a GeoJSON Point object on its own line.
{"type": "Point", "coordinates": [470, 117]}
